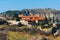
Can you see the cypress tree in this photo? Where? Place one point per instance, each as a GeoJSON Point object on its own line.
{"type": "Point", "coordinates": [53, 20]}
{"type": "Point", "coordinates": [46, 20]}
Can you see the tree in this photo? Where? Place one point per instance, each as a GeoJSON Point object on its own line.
{"type": "Point", "coordinates": [53, 20]}
{"type": "Point", "coordinates": [57, 19]}
{"type": "Point", "coordinates": [15, 17]}
{"type": "Point", "coordinates": [46, 20]}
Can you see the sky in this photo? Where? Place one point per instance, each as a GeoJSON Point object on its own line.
{"type": "Point", "coordinates": [28, 4]}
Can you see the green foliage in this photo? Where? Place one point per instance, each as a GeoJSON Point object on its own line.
{"type": "Point", "coordinates": [53, 19]}
{"type": "Point", "coordinates": [49, 26]}
{"type": "Point", "coordinates": [46, 20]}
{"type": "Point", "coordinates": [57, 19]}
{"type": "Point", "coordinates": [13, 15]}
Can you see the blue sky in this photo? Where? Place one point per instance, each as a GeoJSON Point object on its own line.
{"type": "Point", "coordinates": [24, 4]}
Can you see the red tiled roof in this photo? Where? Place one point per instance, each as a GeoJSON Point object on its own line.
{"type": "Point", "coordinates": [32, 18]}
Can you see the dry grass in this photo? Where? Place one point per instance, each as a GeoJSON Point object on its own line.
{"type": "Point", "coordinates": [24, 36]}
{"type": "Point", "coordinates": [17, 36]}
{"type": "Point", "coordinates": [2, 26]}
{"type": "Point", "coordinates": [49, 37]}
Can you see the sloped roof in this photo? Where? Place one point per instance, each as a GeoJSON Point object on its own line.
{"type": "Point", "coordinates": [32, 18]}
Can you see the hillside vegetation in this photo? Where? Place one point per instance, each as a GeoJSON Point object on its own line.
{"type": "Point", "coordinates": [12, 14]}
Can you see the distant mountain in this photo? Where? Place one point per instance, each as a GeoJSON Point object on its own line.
{"type": "Point", "coordinates": [12, 13]}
